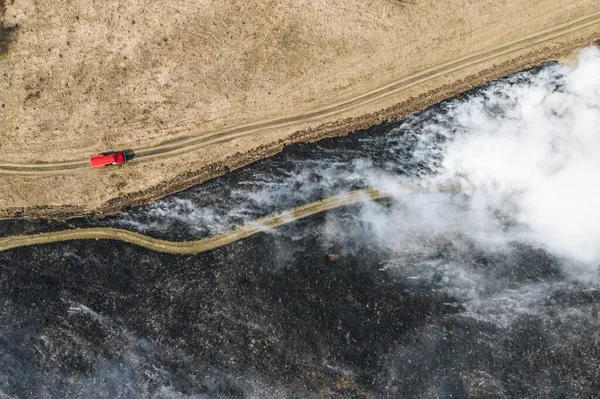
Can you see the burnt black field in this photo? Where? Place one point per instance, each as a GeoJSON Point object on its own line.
{"type": "Point", "coordinates": [322, 307]}
{"type": "Point", "coordinates": [280, 315]}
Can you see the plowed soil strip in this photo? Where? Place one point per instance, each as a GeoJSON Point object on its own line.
{"type": "Point", "coordinates": [199, 141]}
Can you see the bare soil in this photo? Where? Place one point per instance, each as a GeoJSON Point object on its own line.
{"type": "Point", "coordinates": [78, 78]}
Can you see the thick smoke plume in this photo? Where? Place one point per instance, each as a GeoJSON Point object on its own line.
{"type": "Point", "coordinates": [533, 152]}
{"type": "Point", "coordinates": [525, 152]}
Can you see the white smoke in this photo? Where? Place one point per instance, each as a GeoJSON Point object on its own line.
{"type": "Point", "coordinates": [538, 157]}
{"type": "Point", "coordinates": [526, 151]}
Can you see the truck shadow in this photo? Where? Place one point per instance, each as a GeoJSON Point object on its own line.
{"type": "Point", "coordinates": [129, 155]}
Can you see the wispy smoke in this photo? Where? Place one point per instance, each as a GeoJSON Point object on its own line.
{"type": "Point", "coordinates": [524, 150]}
{"type": "Point", "coordinates": [526, 219]}
{"type": "Point", "coordinates": [506, 252]}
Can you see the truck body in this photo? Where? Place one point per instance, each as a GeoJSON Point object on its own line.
{"type": "Point", "coordinates": [107, 158]}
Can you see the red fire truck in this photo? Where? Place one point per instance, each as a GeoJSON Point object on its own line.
{"type": "Point", "coordinates": [108, 158]}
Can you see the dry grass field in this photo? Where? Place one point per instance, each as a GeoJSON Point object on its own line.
{"type": "Point", "coordinates": [80, 77]}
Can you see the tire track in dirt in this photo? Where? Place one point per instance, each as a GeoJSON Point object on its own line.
{"type": "Point", "coordinates": [180, 146]}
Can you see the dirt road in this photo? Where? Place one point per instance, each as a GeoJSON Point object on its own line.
{"type": "Point", "coordinates": [203, 140]}
{"type": "Point", "coordinates": [219, 240]}
{"type": "Point", "coordinates": [202, 245]}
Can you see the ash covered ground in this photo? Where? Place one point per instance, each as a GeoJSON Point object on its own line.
{"type": "Point", "coordinates": [488, 292]}
{"type": "Point", "coordinates": [298, 313]}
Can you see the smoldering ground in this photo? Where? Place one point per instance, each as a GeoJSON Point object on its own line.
{"type": "Point", "coordinates": [297, 313]}
{"type": "Point", "coordinates": [490, 291]}
{"type": "Point", "coordinates": [116, 320]}
{"type": "Point", "coordinates": [522, 147]}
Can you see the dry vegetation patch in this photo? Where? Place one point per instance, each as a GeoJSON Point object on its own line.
{"type": "Point", "coordinates": [81, 77]}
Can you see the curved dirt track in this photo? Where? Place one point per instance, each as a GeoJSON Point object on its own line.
{"type": "Point", "coordinates": [204, 244]}
{"type": "Point", "coordinates": [197, 142]}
